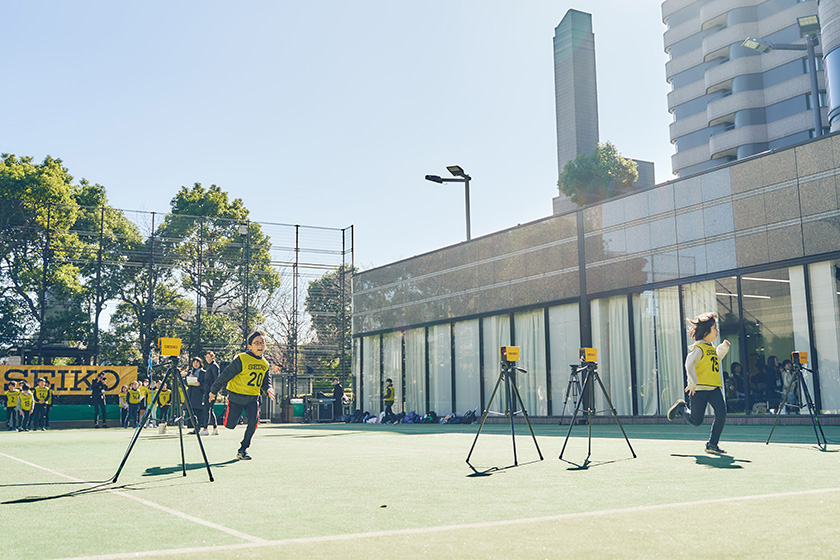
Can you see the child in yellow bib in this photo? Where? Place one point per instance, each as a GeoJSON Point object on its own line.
{"type": "Point", "coordinates": [702, 370]}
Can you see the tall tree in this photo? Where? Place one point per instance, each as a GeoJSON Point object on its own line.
{"type": "Point", "coordinates": [328, 304]}
{"type": "Point", "coordinates": [597, 176]}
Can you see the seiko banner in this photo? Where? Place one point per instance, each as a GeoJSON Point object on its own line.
{"type": "Point", "coordinates": [70, 380]}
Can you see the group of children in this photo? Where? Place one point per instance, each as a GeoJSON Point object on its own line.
{"type": "Point", "coordinates": [27, 408]}
{"type": "Point", "coordinates": [137, 397]}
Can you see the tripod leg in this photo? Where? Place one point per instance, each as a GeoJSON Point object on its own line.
{"type": "Point", "coordinates": [779, 412]}
{"type": "Point", "coordinates": [511, 412]}
{"type": "Point", "coordinates": [484, 416]}
{"type": "Point", "coordinates": [527, 420]}
{"type": "Point", "coordinates": [811, 410]}
{"type": "Point", "coordinates": [197, 435]}
{"type": "Point", "coordinates": [137, 430]}
{"type": "Point", "coordinates": [615, 415]}
{"type": "Point", "coordinates": [574, 416]}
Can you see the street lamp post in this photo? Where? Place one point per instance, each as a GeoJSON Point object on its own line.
{"type": "Point", "coordinates": [458, 176]}
{"type": "Point", "coordinates": [809, 26]}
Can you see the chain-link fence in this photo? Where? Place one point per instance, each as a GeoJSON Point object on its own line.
{"type": "Point", "coordinates": [99, 286]}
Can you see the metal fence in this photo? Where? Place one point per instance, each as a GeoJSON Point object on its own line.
{"type": "Point", "coordinates": [98, 285]}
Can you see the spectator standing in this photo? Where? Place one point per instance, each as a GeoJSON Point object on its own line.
{"type": "Point", "coordinates": [97, 399]}
{"type": "Point", "coordinates": [196, 395]}
{"type": "Point", "coordinates": [123, 396]}
{"type": "Point", "coordinates": [211, 373]}
{"type": "Point", "coordinates": [388, 399]}
{"type": "Point", "coordinates": [133, 403]}
{"type": "Point", "coordinates": [338, 399]}
{"type": "Point", "coordinates": [42, 393]}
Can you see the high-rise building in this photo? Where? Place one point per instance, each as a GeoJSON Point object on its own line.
{"type": "Point", "coordinates": [575, 88]}
{"type": "Point", "coordinates": [728, 101]}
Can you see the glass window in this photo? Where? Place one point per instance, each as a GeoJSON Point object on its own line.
{"type": "Point", "coordinates": [825, 307]}
{"type": "Point", "coordinates": [467, 363]}
{"type": "Point", "coordinates": [611, 337]}
{"type": "Point", "coordinates": [415, 370]}
{"type": "Point", "coordinates": [371, 383]}
{"type": "Point", "coordinates": [392, 365]}
{"type": "Point", "coordinates": [564, 335]}
{"type": "Point", "coordinates": [530, 337]}
{"type": "Point", "coordinates": [657, 331]}
{"type": "Point", "coordinates": [776, 322]}
{"type": "Point", "coordinates": [721, 296]}
{"type": "Point", "coordinates": [357, 371]}
{"type": "Point", "coordinates": [440, 369]}
{"type": "Point", "coordinates": [496, 334]}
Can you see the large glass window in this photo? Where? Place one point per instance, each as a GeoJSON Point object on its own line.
{"type": "Point", "coordinates": [657, 330]}
{"type": "Point", "coordinates": [467, 363]}
{"type": "Point", "coordinates": [775, 317]}
{"type": "Point", "coordinates": [496, 334]}
{"type": "Point", "coordinates": [721, 296]}
{"type": "Point", "coordinates": [611, 337]}
{"type": "Point", "coordinates": [530, 337]}
{"type": "Point", "coordinates": [825, 306]}
{"type": "Point", "coordinates": [371, 402]}
{"type": "Point", "coordinates": [564, 337]}
{"type": "Point", "coordinates": [392, 365]}
{"type": "Point", "coordinates": [415, 370]}
{"type": "Point", "coordinates": [440, 369]}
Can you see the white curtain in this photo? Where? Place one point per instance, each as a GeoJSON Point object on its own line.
{"type": "Point", "coordinates": [496, 334]}
{"type": "Point", "coordinates": [825, 305]}
{"type": "Point", "coordinates": [467, 362]}
{"type": "Point", "coordinates": [799, 310]}
{"type": "Point", "coordinates": [611, 337]}
{"type": "Point", "coordinates": [530, 337]}
{"type": "Point", "coordinates": [392, 364]}
{"type": "Point", "coordinates": [564, 334]}
{"type": "Point", "coordinates": [415, 370]}
{"type": "Point", "coordinates": [440, 369]}
{"type": "Point", "coordinates": [357, 371]}
{"type": "Point", "coordinates": [371, 388]}
{"type": "Point", "coordinates": [659, 364]}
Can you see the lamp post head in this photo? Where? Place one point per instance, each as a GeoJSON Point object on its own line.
{"type": "Point", "coordinates": [760, 45]}
{"type": "Point", "coordinates": [808, 25]}
{"type": "Point", "coordinates": [457, 171]}
{"type": "Point", "coordinates": [434, 178]}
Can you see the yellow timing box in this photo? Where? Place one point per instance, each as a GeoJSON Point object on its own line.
{"type": "Point", "coordinates": [170, 346]}
{"type": "Point", "coordinates": [589, 355]}
{"type": "Point", "coordinates": [799, 357]}
{"type": "Point", "coordinates": [510, 353]}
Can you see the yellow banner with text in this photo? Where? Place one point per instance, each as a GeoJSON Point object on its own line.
{"type": "Point", "coordinates": [70, 380]}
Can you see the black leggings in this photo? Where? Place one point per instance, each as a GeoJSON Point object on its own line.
{"type": "Point", "coordinates": [699, 400]}
{"type": "Point", "coordinates": [252, 414]}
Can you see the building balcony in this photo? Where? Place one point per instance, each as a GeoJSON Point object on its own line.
{"type": "Point", "coordinates": [683, 63]}
{"type": "Point", "coordinates": [671, 6]}
{"type": "Point", "coordinates": [686, 93]}
{"type": "Point", "coordinates": [680, 32]}
{"type": "Point", "coordinates": [688, 125]}
{"type": "Point", "coordinates": [715, 11]}
{"type": "Point", "coordinates": [720, 41]}
{"type": "Point", "coordinates": [687, 158]}
{"type": "Point", "coordinates": [725, 106]}
{"type": "Point", "coordinates": [730, 140]}
{"type": "Point", "coordinates": [723, 73]}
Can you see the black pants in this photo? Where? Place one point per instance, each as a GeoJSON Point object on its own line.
{"type": "Point", "coordinates": [211, 417]}
{"type": "Point", "coordinates": [699, 400]}
{"type": "Point", "coordinates": [252, 414]}
{"type": "Point", "coordinates": [389, 413]}
{"type": "Point", "coordinates": [98, 408]}
{"type": "Point", "coordinates": [39, 415]}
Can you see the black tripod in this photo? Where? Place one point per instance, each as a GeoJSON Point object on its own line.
{"type": "Point", "coordinates": [591, 372]}
{"type": "Point", "coordinates": [508, 374]}
{"type": "Point", "coordinates": [799, 380]}
{"type": "Point", "coordinates": [573, 390]}
{"type": "Point", "coordinates": [173, 376]}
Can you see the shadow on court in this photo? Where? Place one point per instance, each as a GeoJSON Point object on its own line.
{"type": "Point", "coordinates": [715, 461]}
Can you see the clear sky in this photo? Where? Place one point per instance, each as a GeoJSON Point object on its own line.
{"type": "Point", "coordinates": [325, 112]}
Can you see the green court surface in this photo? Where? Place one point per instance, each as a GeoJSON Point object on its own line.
{"type": "Point", "coordinates": [373, 491]}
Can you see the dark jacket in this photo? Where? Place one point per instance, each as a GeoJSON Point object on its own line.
{"type": "Point", "coordinates": [210, 375]}
{"type": "Point", "coordinates": [196, 393]}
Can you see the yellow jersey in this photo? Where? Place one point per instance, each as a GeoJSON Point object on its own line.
{"type": "Point", "coordinates": [249, 381]}
{"type": "Point", "coordinates": [708, 367]}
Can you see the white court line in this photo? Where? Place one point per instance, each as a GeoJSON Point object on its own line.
{"type": "Point", "coordinates": [442, 528]}
{"type": "Point", "coordinates": [145, 502]}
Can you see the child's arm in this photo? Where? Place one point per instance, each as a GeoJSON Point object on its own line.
{"type": "Point", "coordinates": [690, 369]}
{"type": "Point", "coordinates": [722, 350]}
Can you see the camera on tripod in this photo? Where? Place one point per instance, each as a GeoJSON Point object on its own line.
{"type": "Point", "coordinates": [799, 358]}
{"type": "Point", "coordinates": [509, 353]}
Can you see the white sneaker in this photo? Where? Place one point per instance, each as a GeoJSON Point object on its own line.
{"type": "Point", "coordinates": [203, 432]}
{"type": "Point", "coordinates": [215, 431]}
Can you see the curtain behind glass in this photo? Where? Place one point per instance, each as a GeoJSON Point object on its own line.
{"type": "Point", "coordinates": [440, 369]}
{"type": "Point", "coordinates": [530, 337]}
{"type": "Point", "coordinates": [392, 365]}
{"type": "Point", "coordinates": [496, 335]}
{"type": "Point", "coordinates": [467, 378]}
{"type": "Point", "coordinates": [659, 363]}
{"type": "Point", "coordinates": [357, 371]}
{"type": "Point", "coordinates": [825, 306]}
{"type": "Point", "coordinates": [611, 336]}
{"type": "Point", "coordinates": [371, 372]}
{"type": "Point", "coordinates": [415, 370]}
{"type": "Point", "coordinates": [564, 334]}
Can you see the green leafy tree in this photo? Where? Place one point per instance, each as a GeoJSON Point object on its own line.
{"type": "Point", "coordinates": [597, 176]}
{"type": "Point", "coordinates": [328, 304]}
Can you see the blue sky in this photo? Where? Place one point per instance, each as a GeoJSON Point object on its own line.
{"type": "Point", "coordinates": [325, 112]}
